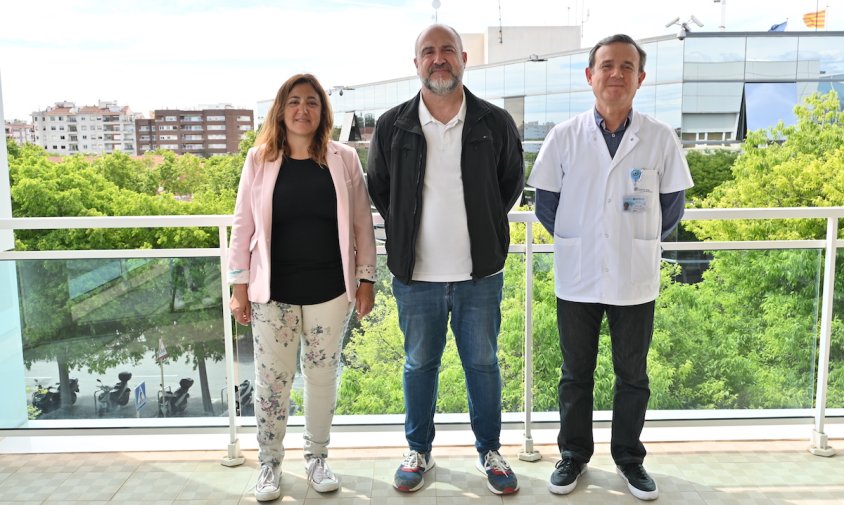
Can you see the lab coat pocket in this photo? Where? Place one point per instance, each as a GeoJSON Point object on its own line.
{"type": "Point", "coordinates": [644, 260]}
{"type": "Point", "coordinates": [567, 260]}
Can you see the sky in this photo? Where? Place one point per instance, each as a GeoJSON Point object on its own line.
{"type": "Point", "coordinates": [156, 54]}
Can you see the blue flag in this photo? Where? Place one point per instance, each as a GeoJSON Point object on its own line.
{"type": "Point", "coordinates": [780, 27]}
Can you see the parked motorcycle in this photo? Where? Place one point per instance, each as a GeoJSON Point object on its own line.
{"type": "Point", "coordinates": [245, 404]}
{"type": "Point", "coordinates": [49, 398]}
{"type": "Point", "coordinates": [110, 398]}
{"type": "Point", "coordinates": [172, 403]}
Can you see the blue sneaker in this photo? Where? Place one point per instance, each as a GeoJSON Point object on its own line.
{"type": "Point", "coordinates": [410, 474]}
{"type": "Point", "coordinates": [500, 478]}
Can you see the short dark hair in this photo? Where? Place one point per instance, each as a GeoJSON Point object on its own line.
{"type": "Point", "coordinates": [616, 39]}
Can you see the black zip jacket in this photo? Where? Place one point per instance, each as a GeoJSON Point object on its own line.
{"type": "Point", "coordinates": [493, 178]}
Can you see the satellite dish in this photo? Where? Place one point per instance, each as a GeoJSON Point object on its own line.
{"type": "Point", "coordinates": [436, 4]}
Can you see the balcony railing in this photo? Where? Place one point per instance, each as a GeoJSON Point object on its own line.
{"type": "Point", "coordinates": [129, 307]}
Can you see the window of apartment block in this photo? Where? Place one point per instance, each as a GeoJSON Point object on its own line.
{"type": "Point", "coordinates": [244, 118]}
{"type": "Point", "coordinates": [216, 146]}
{"type": "Point", "coordinates": [216, 137]}
{"type": "Point", "coordinates": [52, 128]}
{"type": "Point", "coordinates": [168, 137]}
{"type": "Point", "coordinates": [192, 137]}
{"type": "Point", "coordinates": [171, 118]}
{"type": "Point", "coordinates": [216, 127]}
{"type": "Point", "coordinates": [192, 119]}
{"type": "Point", "coordinates": [170, 146]}
{"type": "Point", "coordinates": [166, 128]}
{"type": "Point", "coordinates": [215, 118]}
{"type": "Point", "coordinates": [244, 127]}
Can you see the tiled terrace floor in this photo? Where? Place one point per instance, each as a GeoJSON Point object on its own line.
{"type": "Point", "coordinates": [712, 473]}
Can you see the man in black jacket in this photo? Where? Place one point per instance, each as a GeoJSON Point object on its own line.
{"type": "Point", "coordinates": [444, 170]}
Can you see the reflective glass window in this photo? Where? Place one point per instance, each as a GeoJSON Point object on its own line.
{"type": "Point", "coordinates": [535, 72]}
{"type": "Point", "coordinates": [475, 80]}
{"type": "Point", "coordinates": [644, 100]}
{"type": "Point", "coordinates": [557, 108]}
{"type": "Point", "coordinates": [667, 104]}
{"type": "Point", "coordinates": [514, 79]}
{"type": "Point", "coordinates": [494, 82]}
{"type": "Point", "coordinates": [558, 74]}
{"type": "Point", "coordinates": [712, 96]}
{"type": "Point", "coordinates": [535, 125]}
{"type": "Point", "coordinates": [577, 71]}
{"type": "Point", "coordinates": [771, 58]}
{"type": "Point", "coordinates": [582, 101]}
{"type": "Point", "coordinates": [768, 103]}
{"type": "Point", "coordinates": [714, 58]}
{"type": "Point", "coordinates": [667, 63]}
{"type": "Point", "coordinates": [820, 57]}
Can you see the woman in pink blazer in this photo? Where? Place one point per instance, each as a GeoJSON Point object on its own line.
{"type": "Point", "coordinates": [302, 256]}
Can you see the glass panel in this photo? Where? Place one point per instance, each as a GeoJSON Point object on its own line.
{"type": "Point", "coordinates": [645, 99]}
{"type": "Point", "coordinates": [94, 328]}
{"type": "Point", "coordinates": [771, 58]}
{"type": "Point", "coordinates": [557, 108]}
{"type": "Point", "coordinates": [835, 391]}
{"type": "Point", "coordinates": [668, 64]}
{"type": "Point", "coordinates": [581, 102]}
{"type": "Point", "coordinates": [494, 82]}
{"type": "Point", "coordinates": [820, 58]}
{"type": "Point", "coordinates": [535, 72]}
{"type": "Point", "coordinates": [719, 58]}
{"type": "Point", "coordinates": [668, 104]}
{"type": "Point", "coordinates": [559, 74]}
{"type": "Point", "coordinates": [714, 97]}
{"type": "Point", "coordinates": [514, 79]}
{"type": "Point", "coordinates": [535, 125]}
{"type": "Point", "coordinates": [769, 103]}
{"type": "Point", "coordinates": [369, 94]}
{"type": "Point", "coordinates": [475, 80]}
{"type": "Point", "coordinates": [740, 336]}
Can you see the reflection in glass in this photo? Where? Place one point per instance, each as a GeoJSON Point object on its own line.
{"type": "Point", "coordinates": [645, 100]}
{"type": "Point", "coordinates": [771, 58]}
{"type": "Point", "coordinates": [820, 58]}
{"type": "Point", "coordinates": [535, 77]}
{"type": "Point", "coordinates": [768, 103]}
{"type": "Point", "coordinates": [84, 320]}
{"type": "Point", "coordinates": [714, 58]}
{"type": "Point", "coordinates": [475, 80]}
{"type": "Point", "coordinates": [514, 79]}
{"type": "Point", "coordinates": [535, 125]}
{"type": "Point", "coordinates": [559, 74]}
{"type": "Point", "coordinates": [494, 82]}
{"type": "Point", "coordinates": [668, 104]}
{"type": "Point", "coordinates": [557, 108]}
{"type": "Point", "coordinates": [667, 65]}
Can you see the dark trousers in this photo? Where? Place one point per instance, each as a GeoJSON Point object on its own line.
{"type": "Point", "coordinates": [631, 328]}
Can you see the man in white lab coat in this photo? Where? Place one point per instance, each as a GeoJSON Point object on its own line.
{"type": "Point", "coordinates": [610, 185]}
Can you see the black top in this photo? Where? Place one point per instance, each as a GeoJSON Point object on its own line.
{"type": "Point", "coordinates": [305, 251]}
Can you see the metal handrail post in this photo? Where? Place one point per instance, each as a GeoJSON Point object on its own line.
{"type": "Point", "coordinates": [528, 453]}
{"type": "Point", "coordinates": [819, 445]}
{"type": "Point", "coordinates": [233, 455]}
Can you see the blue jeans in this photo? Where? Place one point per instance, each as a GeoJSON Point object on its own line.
{"type": "Point", "coordinates": [475, 308]}
{"type": "Point", "coordinates": [631, 328]}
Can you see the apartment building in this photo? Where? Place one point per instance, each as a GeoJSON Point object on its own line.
{"type": "Point", "coordinates": [203, 132]}
{"type": "Point", "coordinates": [19, 131]}
{"type": "Point", "coordinates": [91, 129]}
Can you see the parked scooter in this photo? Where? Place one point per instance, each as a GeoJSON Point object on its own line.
{"type": "Point", "coordinates": [174, 403]}
{"type": "Point", "coordinates": [110, 398]}
{"type": "Point", "coordinates": [48, 399]}
{"type": "Point", "coordinates": [244, 404]}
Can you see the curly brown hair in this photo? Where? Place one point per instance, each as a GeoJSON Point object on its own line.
{"type": "Point", "coordinates": [272, 137]}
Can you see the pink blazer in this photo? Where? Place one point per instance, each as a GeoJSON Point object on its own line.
{"type": "Point", "coordinates": [249, 250]}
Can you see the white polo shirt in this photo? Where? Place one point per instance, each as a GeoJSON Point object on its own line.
{"type": "Point", "coordinates": [443, 253]}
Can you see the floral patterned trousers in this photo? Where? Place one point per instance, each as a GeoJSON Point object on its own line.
{"type": "Point", "coordinates": [277, 329]}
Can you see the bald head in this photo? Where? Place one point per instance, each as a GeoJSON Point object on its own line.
{"type": "Point", "coordinates": [458, 41]}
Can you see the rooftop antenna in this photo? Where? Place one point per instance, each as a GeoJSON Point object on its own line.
{"type": "Point", "coordinates": [436, 5]}
{"type": "Point", "coordinates": [723, 26]}
{"type": "Point", "coordinates": [500, 30]}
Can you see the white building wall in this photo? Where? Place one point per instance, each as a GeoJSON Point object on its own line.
{"type": "Point", "coordinates": [516, 42]}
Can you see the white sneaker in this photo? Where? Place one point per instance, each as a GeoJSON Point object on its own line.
{"type": "Point", "coordinates": [268, 487]}
{"type": "Point", "coordinates": [320, 476]}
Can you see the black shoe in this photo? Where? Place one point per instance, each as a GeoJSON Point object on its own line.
{"type": "Point", "coordinates": [564, 478]}
{"type": "Point", "coordinates": [640, 484]}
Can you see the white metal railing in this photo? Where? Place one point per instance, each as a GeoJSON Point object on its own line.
{"type": "Point", "coordinates": [830, 245]}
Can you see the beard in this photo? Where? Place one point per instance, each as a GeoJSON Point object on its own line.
{"type": "Point", "coordinates": [442, 86]}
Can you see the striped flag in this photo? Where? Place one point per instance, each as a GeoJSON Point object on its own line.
{"type": "Point", "coordinates": [815, 19]}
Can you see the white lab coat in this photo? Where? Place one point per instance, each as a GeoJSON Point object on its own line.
{"type": "Point", "coordinates": [602, 252]}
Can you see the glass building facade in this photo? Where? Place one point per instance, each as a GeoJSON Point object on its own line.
{"type": "Point", "coordinates": [711, 87]}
